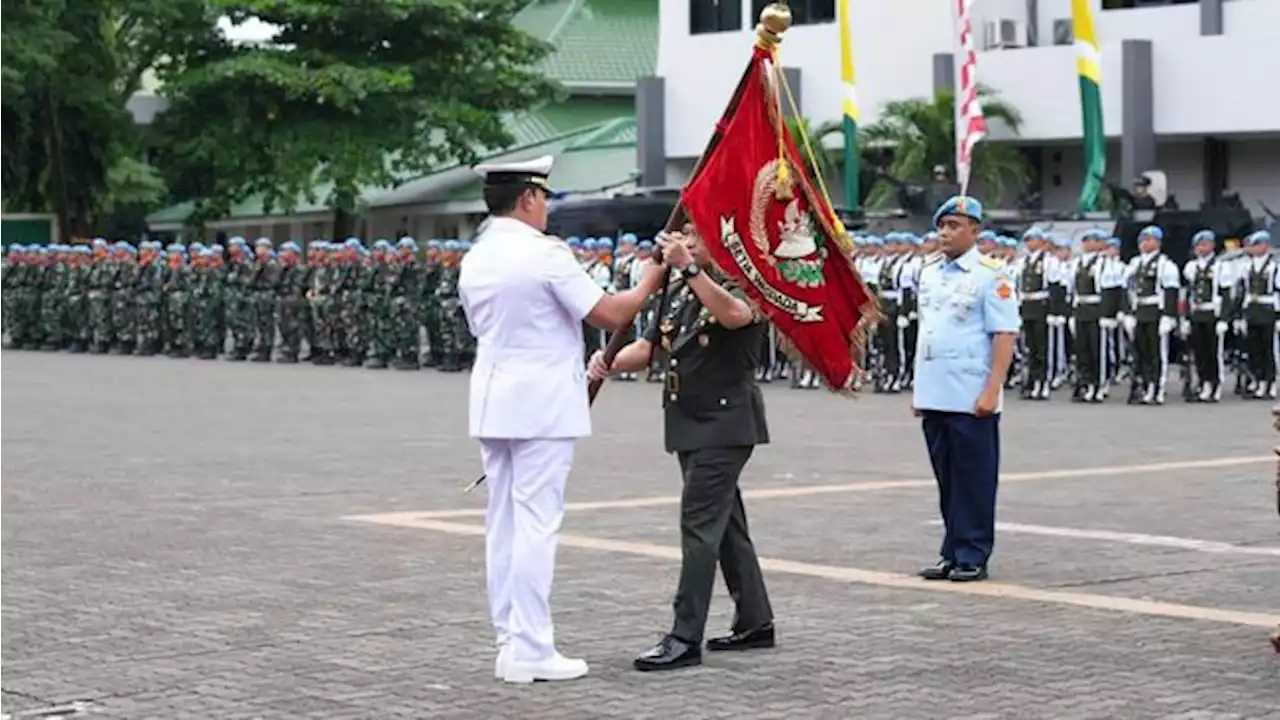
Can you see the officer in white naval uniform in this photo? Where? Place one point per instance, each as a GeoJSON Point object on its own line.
{"type": "Point", "coordinates": [525, 297]}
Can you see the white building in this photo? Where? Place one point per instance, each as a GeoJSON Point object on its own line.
{"type": "Point", "coordinates": [1189, 86]}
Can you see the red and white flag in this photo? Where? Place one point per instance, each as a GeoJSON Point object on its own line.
{"type": "Point", "coordinates": [971, 125]}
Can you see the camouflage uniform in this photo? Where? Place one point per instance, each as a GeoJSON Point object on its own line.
{"type": "Point", "coordinates": [102, 280]}
{"type": "Point", "coordinates": [291, 308]}
{"type": "Point", "coordinates": [75, 301]}
{"type": "Point", "coordinates": [178, 302]}
{"type": "Point", "coordinates": [429, 305]}
{"type": "Point", "coordinates": [403, 313]}
{"type": "Point", "coordinates": [47, 300]}
{"type": "Point", "coordinates": [350, 307]}
{"type": "Point", "coordinates": [206, 306]}
{"type": "Point", "coordinates": [266, 277]}
{"type": "Point", "coordinates": [149, 301]}
{"type": "Point", "coordinates": [450, 308]}
{"type": "Point", "coordinates": [123, 317]}
{"type": "Point", "coordinates": [322, 306]}
{"type": "Point", "coordinates": [376, 283]}
{"type": "Point", "coordinates": [236, 298]}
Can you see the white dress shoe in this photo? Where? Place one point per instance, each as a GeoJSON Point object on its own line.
{"type": "Point", "coordinates": [500, 665]}
{"type": "Point", "coordinates": [556, 667]}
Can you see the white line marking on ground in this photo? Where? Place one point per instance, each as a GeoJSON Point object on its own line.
{"type": "Point", "coordinates": [879, 578]}
{"type": "Point", "coordinates": [1208, 546]}
{"type": "Point", "coordinates": [806, 490]}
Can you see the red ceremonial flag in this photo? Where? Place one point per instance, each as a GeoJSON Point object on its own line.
{"type": "Point", "coordinates": [768, 229]}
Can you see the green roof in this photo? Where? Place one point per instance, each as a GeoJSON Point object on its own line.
{"type": "Point", "coordinates": [548, 126]}
{"type": "Point", "coordinates": [599, 43]}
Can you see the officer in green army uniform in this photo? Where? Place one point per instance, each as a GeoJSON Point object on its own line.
{"type": "Point", "coordinates": [347, 333]}
{"type": "Point", "coordinates": [714, 417]}
{"type": "Point", "coordinates": [323, 310]}
{"type": "Point", "coordinates": [52, 282]}
{"type": "Point", "coordinates": [177, 302]}
{"type": "Point", "coordinates": [292, 310]}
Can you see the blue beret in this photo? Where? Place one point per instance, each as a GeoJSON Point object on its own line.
{"type": "Point", "coordinates": [590, 244]}
{"type": "Point", "coordinates": [290, 246]}
{"type": "Point", "coordinates": [875, 240]}
{"type": "Point", "coordinates": [1152, 230]}
{"type": "Point", "coordinates": [99, 242]}
{"type": "Point", "coordinates": [1261, 237]}
{"type": "Point", "coordinates": [433, 243]}
{"type": "Point", "coordinates": [645, 244]}
{"type": "Point", "coordinates": [82, 249]}
{"type": "Point", "coordinates": [961, 205]}
{"type": "Point", "coordinates": [407, 242]}
{"type": "Point", "coordinates": [628, 238]}
{"type": "Point", "coordinates": [237, 240]}
{"type": "Point", "coordinates": [1033, 233]}
{"type": "Point", "coordinates": [1113, 241]}
{"type": "Point", "coordinates": [216, 247]}
{"type": "Point", "coordinates": [176, 248]}
{"type": "Point", "coordinates": [1006, 241]}
{"type": "Point", "coordinates": [987, 235]}
{"type": "Point", "coordinates": [381, 244]}
{"type": "Point", "coordinates": [1204, 236]}
{"type": "Point", "coordinates": [452, 246]}
{"type": "Point", "coordinates": [604, 243]}
{"type": "Point", "coordinates": [1061, 241]}
{"type": "Point", "coordinates": [207, 252]}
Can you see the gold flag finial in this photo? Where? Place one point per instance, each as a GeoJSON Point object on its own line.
{"type": "Point", "coordinates": [775, 18]}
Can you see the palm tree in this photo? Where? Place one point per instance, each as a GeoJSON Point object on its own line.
{"type": "Point", "coordinates": [921, 134]}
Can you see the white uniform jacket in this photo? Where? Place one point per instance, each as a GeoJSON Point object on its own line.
{"type": "Point", "coordinates": [525, 297]}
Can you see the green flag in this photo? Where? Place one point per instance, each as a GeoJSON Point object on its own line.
{"type": "Point", "coordinates": [1089, 69]}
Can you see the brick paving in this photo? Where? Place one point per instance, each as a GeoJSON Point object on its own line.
{"type": "Point", "coordinates": [176, 545]}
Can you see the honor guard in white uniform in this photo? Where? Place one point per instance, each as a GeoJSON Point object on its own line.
{"type": "Point", "coordinates": [1114, 274]}
{"type": "Point", "coordinates": [1094, 312]}
{"type": "Point", "coordinates": [1204, 326]}
{"type": "Point", "coordinates": [1060, 299]}
{"type": "Point", "coordinates": [1032, 274]}
{"type": "Point", "coordinates": [525, 297]}
{"type": "Point", "coordinates": [1259, 300]}
{"type": "Point", "coordinates": [1154, 280]}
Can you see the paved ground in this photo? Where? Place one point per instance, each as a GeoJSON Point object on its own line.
{"type": "Point", "coordinates": [179, 541]}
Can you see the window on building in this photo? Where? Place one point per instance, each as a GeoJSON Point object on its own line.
{"type": "Point", "coordinates": [709, 16]}
{"type": "Point", "coordinates": [803, 12]}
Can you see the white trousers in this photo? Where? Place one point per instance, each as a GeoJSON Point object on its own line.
{"type": "Point", "coordinates": [526, 480]}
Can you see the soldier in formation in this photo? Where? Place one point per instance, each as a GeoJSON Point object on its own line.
{"type": "Point", "coordinates": [341, 303]}
{"type": "Point", "coordinates": [1091, 321]}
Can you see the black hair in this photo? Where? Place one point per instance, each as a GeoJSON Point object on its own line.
{"type": "Point", "coordinates": [502, 199]}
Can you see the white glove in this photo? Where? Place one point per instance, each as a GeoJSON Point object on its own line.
{"type": "Point", "coordinates": [1130, 323]}
{"type": "Point", "coordinates": [596, 369]}
{"type": "Point", "coordinates": [1184, 327]}
{"type": "Point", "coordinates": [913, 315]}
{"type": "Point", "coordinates": [1220, 327]}
{"type": "Point", "coordinates": [1071, 325]}
{"type": "Point", "coordinates": [903, 322]}
{"type": "Point", "coordinates": [1167, 325]}
{"type": "Point", "coordinates": [1278, 325]}
{"type": "Point", "coordinates": [1108, 323]}
{"type": "Point", "coordinates": [1056, 320]}
{"type": "Point", "coordinates": [1241, 327]}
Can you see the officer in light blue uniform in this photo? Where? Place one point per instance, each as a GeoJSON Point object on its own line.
{"type": "Point", "coordinates": [969, 323]}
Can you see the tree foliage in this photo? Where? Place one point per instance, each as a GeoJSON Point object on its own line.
{"type": "Point", "coordinates": [921, 134]}
{"type": "Point", "coordinates": [350, 94]}
{"type": "Point", "coordinates": [69, 68]}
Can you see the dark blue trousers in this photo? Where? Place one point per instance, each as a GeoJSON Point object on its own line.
{"type": "Point", "coordinates": [965, 452]}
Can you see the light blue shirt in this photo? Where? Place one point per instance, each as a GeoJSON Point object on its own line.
{"type": "Point", "coordinates": [963, 303]}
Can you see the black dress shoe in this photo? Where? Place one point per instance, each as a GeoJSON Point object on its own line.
{"type": "Point", "coordinates": [940, 570]}
{"type": "Point", "coordinates": [968, 573]}
{"type": "Point", "coordinates": [761, 637]}
{"type": "Point", "coordinates": [669, 654]}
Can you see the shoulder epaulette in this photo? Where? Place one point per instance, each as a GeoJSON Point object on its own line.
{"type": "Point", "coordinates": [990, 262]}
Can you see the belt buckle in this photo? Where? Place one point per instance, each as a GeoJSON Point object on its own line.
{"type": "Point", "coordinates": [673, 382]}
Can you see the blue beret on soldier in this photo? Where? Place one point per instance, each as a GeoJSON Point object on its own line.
{"type": "Point", "coordinates": [290, 246]}
{"type": "Point", "coordinates": [99, 242]}
{"type": "Point", "coordinates": [628, 238]}
{"type": "Point", "coordinates": [1033, 233]}
{"type": "Point", "coordinates": [961, 205]}
{"type": "Point", "coordinates": [237, 240]}
{"type": "Point", "coordinates": [1151, 231]}
{"type": "Point", "coordinates": [381, 244]}
{"type": "Point", "coordinates": [83, 249]}
{"type": "Point", "coordinates": [1061, 241]}
{"type": "Point", "coordinates": [987, 236]}
{"type": "Point", "coordinates": [407, 243]}
{"type": "Point", "coordinates": [262, 242]}
{"type": "Point", "coordinates": [433, 243]}
{"type": "Point", "coordinates": [589, 244]}
{"type": "Point", "coordinates": [1260, 237]}
{"type": "Point", "coordinates": [1009, 242]}
{"type": "Point", "coordinates": [604, 243]}
{"type": "Point", "coordinates": [452, 246]}
{"type": "Point", "coordinates": [645, 244]}
{"type": "Point", "coordinates": [1204, 236]}
{"type": "Point", "coordinates": [1113, 242]}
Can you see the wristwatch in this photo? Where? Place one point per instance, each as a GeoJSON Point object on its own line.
{"type": "Point", "coordinates": [691, 271]}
